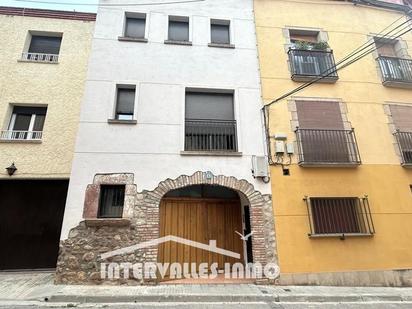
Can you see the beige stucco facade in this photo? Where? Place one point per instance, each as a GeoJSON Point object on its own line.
{"type": "Point", "coordinates": [59, 86]}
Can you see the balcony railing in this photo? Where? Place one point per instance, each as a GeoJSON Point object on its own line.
{"type": "Point", "coordinates": [339, 216]}
{"type": "Point", "coordinates": [327, 147]}
{"type": "Point", "coordinates": [35, 57]}
{"type": "Point", "coordinates": [396, 72]}
{"type": "Point", "coordinates": [210, 135]}
{"type": "Point", "coordinates": [309, 64]}
{"type": "Point", "coordinates": [21, 135]}
{"type": "Point", "coordinates": [404, 140]}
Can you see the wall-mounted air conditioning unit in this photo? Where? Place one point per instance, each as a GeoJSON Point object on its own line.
{"type": "Point", "coordinates": [260, 168]}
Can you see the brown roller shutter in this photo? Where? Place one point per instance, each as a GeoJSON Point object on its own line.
{"type": "Point", "coordinates": [386, 49]}
{"type": "Point", "coordinates": [321, 132]}
{"type": "Point", "coordinates": [402, 117]}
{"type": "Point", "coordinates": [319, 115]}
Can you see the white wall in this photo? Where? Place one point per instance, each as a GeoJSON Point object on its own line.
{"type": "Point", "coordinates": [151, 149]}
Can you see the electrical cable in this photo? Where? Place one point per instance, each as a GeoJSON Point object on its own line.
{"type": "Point", "coordinates": [335, 68]}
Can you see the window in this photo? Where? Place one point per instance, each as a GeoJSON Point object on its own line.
{"type": "Point", "coordinates": [220, 31]}
{"type": "Point", "coordinates": [125, 103]}
{"type": "Point", "coordinates": [322, 138]}
{"type": "Point", "coordinates": [339, 215]}
{"type": "Point", "coordinates": [45, 45]}
{"type": "Point", "coordinates": [394, 62]}
{"type": "Point", "coordinates": [43, 48]}
{"type": "Point", "coordinates": [210, 124]}
{"type": "Point", "coordinates": [402, 119]}
{"type": "Point", "coordinates": [26, 123]}
{"type": "Point", "coordinates": [305, 36]}
{"type": "Point", "coordinates": [178, 28]}
{"type": "Point", "coordinates": [385, 47]}
{"type": "Point", "coordinates": [310, 56]}
{"type": "Point", "coordinates": [135, 25]}
{"type": "Point", "coordinates": [111, 201]}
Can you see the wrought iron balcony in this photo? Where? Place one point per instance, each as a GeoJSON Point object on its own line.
{"type": "Point", "coordinates": [339, 216]}
{"type": "Point", "coordinates": [210, 135]}
{"type": "Point", "coordinates": [21, 135]}
{"type": "Point", "coordinates": [318, 147]}
{"type": "Point", "coordinates": [36, 57]}
{"type": "Point", "coordinates": [309, 64]}
{"type": "Point", "coordinates": [396, 72]}
{"type": "Point", "coordinates": [404, 140]}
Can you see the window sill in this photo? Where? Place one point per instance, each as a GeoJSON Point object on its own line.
{"type": "Point", "coordinates": [221, 45]}
{"type": "Point", "coordinates": [130, 39]}
{"type": "Point", "coordinates": [36, 61]}
{"type": "Point", "coordinates": [178, 42]}
{"type": "Point", "coordinates": [337, 164]}
{"type": "Point", "coordinates": [24, 141]}
{"type": "Point", "coordinates": [307, 78]}
{"type": "Point", "coordinates": [340, 235]}
{"type": "Point", "coordinates": [119, 222]}
{"type": "Point", "coordinates": [212, 153]}
{"type": "Point", "coordinates": [117, 121]}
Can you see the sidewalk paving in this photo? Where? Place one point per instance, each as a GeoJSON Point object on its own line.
{"type": "Point", "coordinates": [39, 287]}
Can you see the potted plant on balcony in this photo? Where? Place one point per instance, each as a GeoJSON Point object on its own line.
{"type": "Point", "coordinates": [321, 45]}
{"type": "Point", "coordinates": [303, 45]}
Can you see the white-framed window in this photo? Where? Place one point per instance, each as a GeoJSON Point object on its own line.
{"type": "Point", "coordinates": [125, 98]}
{"type": "Point", "coordinates": [42, 47]}
{"type": "Point", "coordinates": [26, 123]}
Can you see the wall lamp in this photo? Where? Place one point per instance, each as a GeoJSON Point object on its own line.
{"type": "Point", "coordinates": [11, 169]}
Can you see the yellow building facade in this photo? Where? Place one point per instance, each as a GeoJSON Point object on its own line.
{"type": "Point", "coordinates": [43, 65]}
{"type": "Point", "coordinates": [380, 254]}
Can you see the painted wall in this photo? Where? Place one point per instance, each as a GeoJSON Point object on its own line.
{"type": "Point", "coordinates": [380, 176]}
{"type": "Point", "coordinates": [151, 149]}
{"type": "Point", "coordinates": [59, 86]}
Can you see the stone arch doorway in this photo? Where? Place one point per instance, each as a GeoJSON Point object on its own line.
{"type": "Point", "coordinates": [205, 214]}
{"type": "Point", "coordinates": [80, 254]}
{"type": "Point", "coordinates": [263, 250]}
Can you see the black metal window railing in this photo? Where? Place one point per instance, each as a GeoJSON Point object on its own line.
{"type": "Point", "coordinates": [319, 146]}
{"type": "Point", "coordinates": [312, 63]}
{"type": "Point", "coordinates": [395, 69]}
{"type": "Point", "coordinates": [339, 216]}
{"type": "Point", "coordinates": [404, 140]}
{"type": "Point", "coordinates": [210, 135]}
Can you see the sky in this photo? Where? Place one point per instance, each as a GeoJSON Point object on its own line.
{"type": "Point", "coordinates": [80, 8]}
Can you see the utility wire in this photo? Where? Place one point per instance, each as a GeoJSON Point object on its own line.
{"type": "Point", "coordinates": [266, 114]}
{"type": "Point", "coordinates": [111, 4]}
{"type": "Point", "coordinates": [335, 68]}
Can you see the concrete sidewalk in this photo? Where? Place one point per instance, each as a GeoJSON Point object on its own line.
{"type": "Point", "coordinates": [39, 287]}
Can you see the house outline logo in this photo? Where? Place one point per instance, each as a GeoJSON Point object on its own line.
{"type": "Point", "coordinates": [211, 247]}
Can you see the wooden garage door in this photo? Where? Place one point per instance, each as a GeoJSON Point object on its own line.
{"type": "Point", "coordinates": [200, 220]}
